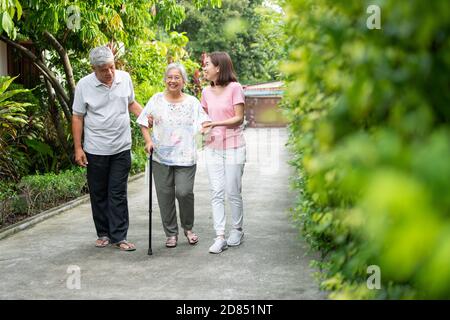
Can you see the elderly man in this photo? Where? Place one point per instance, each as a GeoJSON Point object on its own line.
{"type": "Point", "coordinates": [101, 107]}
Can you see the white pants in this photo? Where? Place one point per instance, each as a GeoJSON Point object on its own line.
{"type": "Point", "coordinates": [225, 169]}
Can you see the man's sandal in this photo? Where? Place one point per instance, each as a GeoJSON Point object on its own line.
{"type": "Point", "coordinates": [191, 237]}
{"type": "Point", "coordinates": [102, 242]}
{"type": "Point", "coordinates": [171, 242]}
{"type": "Point", "coordinates": [124, 245]}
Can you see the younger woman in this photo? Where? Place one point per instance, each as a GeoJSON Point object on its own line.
{"type": "Point", "coordinates": [225, 150]}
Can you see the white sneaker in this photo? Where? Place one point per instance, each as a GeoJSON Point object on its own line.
{"type": "Point", "coordinates": [235, 237]}
{"type": "Point", "coordinates": [218, 246]}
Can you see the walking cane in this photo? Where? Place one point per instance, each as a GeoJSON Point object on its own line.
{"type": "Point", "coordinates": [150, 203]}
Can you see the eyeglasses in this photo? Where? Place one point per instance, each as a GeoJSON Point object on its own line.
{"type": "Point", "coordinates": [176, 78]}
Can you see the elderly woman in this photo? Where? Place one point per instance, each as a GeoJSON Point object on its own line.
{"type": "Point", "coordinates": [177, 118]}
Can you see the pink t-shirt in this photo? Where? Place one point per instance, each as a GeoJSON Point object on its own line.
{"type": "Point", "coordinates": [221, 107]}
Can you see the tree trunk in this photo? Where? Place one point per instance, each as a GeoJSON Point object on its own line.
{"type": "Point", "coordinates": [66, 64]}
{"type": "Point", "coordinates": [54, 112]}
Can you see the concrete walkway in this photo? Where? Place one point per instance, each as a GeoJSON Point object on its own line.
{"type": "Point", "coordinates": [43, 262]}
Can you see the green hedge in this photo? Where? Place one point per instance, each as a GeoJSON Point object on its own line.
{"type": "Point", "coordinates": [45, 191]}
{"type": "Point", "coordinates": [36, 193]}
{"type": "Point", "coordinates": [369, 112]}
{"type": "Point", "coordinates": [139, 159]}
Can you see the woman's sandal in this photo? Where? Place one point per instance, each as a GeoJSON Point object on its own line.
{"type": "Point", "coordinates": [171, 242]}
{"type": "Point", "coordinates": [191, 237]}
{"type": "Point", "coordinates": [124, 245]}
{"type": "Point", "coordinates": [102, 242]}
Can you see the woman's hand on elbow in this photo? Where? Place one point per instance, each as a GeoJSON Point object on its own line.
{"type": "Point", "coordinates": [208, 124]}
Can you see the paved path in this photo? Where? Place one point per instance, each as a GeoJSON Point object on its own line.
{"type": "Point", "coordinates": [270, 264]}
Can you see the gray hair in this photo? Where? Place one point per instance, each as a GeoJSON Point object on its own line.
{"type": "Point", "coordinates": [101, 55]}
{"type": "Point", "coordinates": [179, 67]}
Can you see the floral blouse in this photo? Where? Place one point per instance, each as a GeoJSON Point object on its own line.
{"type": "Point", "coordinates": [175, 126]}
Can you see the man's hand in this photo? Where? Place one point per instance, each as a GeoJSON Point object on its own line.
{"type": "Point", "coordinates": [80, 157]}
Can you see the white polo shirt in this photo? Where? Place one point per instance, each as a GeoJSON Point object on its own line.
{"type": "Point", "coordinates": [107, 128]}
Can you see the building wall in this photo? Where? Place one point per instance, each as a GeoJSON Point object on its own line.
{"type": "Point", "coordinates": [264, 112]}
{"type": "Point", "coordinates": [3, 59]}
{"type": "Point", "coordinates": [27, 73]}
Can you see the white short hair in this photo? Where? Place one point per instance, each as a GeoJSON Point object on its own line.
{"type": "Point", "coordinates": [101, 55]}
{"type": "Point", "coordinates": [179, 67]}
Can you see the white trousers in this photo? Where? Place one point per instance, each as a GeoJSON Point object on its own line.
{"type": "Point", "coordinates": [225, 169]}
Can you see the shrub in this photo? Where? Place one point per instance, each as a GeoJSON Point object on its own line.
{"type": "Point", "coordinates": [371, 137]}
{"type": "Point", "coordinates": [7, 192]}
{"type": "Point", "coordinates": [138, 160]}
{"type": "Point", "coordinates": [13, 117]}
{"type": "Point", "coordinates": [49, 190]}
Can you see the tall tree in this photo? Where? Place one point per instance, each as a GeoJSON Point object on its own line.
{"type": "Point", "coordinates": [249, 30]}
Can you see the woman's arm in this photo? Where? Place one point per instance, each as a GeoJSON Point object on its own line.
{"type": "Point", "coordinates": [201, 119]}
{"type": "Point", "coordinates": [237, 120]}
{"type": "Point", "coordinates": [147, 138]}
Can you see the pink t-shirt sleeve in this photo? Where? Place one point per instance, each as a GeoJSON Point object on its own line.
{"type": "Point", "coordinates": [237, 94]}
